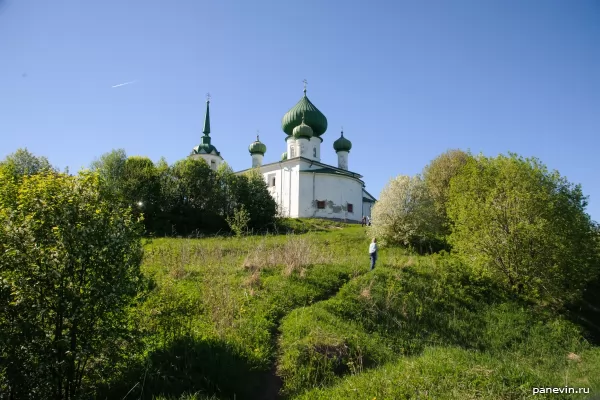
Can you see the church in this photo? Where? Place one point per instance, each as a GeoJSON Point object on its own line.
{"type": "Point", "coordinates": [303, 186]}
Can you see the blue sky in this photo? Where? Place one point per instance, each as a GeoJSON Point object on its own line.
{"type": "Point", "coordinates": [406, 79]}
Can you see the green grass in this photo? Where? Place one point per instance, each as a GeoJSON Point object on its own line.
{"type": "Point", "coordinates": [243, 316]}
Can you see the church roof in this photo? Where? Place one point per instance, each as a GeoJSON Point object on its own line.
{"type": "Point", "coordinates": [257, 147]}
{"type": "Point", "coordinates": [342, 144]}
{"type": "Point", "coordinates": [205, 147]}
{"type": "Point", "coordinates": [313, 117]}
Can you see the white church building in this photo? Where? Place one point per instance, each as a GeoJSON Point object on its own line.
{"type": "Point", "coordinates": [302, 185]}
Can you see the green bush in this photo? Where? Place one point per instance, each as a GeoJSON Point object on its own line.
{"type": "Point", "coordinates": [70, 271]}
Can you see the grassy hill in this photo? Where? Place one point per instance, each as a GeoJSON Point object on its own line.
{"type": "Point", "coordinates": [301, 315]}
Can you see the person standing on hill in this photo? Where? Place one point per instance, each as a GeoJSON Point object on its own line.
{"type": "Point", "coordinates": [373, 253]}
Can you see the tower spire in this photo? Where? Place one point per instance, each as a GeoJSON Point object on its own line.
{"type": "Point", "coordinates": [305, 83]}
{"type": "Point", "coordinates": [206, 129]}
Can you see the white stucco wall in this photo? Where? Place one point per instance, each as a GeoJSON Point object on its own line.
{"type": "Point", "coordinates": [296, 190]}
{"type": "Point", "coordinates": [314, 152]}
{"type": "Point", "coordinates": [337, 191]}
{"type": "Point", "coordinates": [366, 209]}
{"type": "Point", "coordinates": [285, 190]}
{"type": "Point", "coordinates": [342, 159]}
{"type": "Point", "coordinates": [257, 160]}
{"type": "Point", "coordinates": [209, 158]}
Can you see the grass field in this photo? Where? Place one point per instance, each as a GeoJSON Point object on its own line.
{"type": "Point", "coordinates": [301, 316]}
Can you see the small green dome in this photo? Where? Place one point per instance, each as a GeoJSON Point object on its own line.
{"type": "Point", "coordinates": [284, 156]}
{"type": "Point", "coordinates": [302, 131]}
{"type": "Point", "coordinates": [205, 147]}
{"type": "Point", "coordinates": [314, 118]}
{"type": "Point", "coordinates": [342, 144]}
{"type": "Point", "coordinates": [257, 147]}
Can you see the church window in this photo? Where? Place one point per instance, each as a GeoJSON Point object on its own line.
{"type": "Point", "coordinates": [350, 208]}
{"type": "Point", "coordinates": [213, 164]}
{"type": "Point", "coordinates": [320, 204]}
{"type": "Point", "coordinates": [292, 152]}
{"type": "Point", "coordinates": [271, 180]}
{"type": "Point", "coordinates": [314, 152]}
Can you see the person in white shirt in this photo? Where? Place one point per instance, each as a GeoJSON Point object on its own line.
{"type": "Point", "coordinates": [373, 253]}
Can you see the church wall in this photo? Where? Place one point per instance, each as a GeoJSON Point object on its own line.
{"type": "Point", "coordinates": [285, 187]}
{"type": "Point", "coordinates": [334, 192]}
{"type": "Point", "coordinates": [367, 206]}
{"type": "Point", "coordinates": [212, 160]}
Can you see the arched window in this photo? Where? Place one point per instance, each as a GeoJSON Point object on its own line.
{"type": "Point", "coordinates": [292, 152]}
{"type": "Point", "coordinates": [314, 152]}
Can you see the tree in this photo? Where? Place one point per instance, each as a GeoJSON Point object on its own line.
{"type": "Point", "coordinates": [23, 163]}
{"type": "Point", "coordinates": [111, 167]}
{"type": "Point", "coordinates": [405, 214]}
{"type": "Point", "coordinates": [437, 176]}
{"type": "Point", "coordinates": [515, 220]}
{"type": "Point", "coordinates": [261, 206]}
{"type": "Point", "coordinates": [69, 271]}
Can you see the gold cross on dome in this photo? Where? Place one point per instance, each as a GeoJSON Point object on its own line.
{"type": "Point", "coordinates": [305, 83]}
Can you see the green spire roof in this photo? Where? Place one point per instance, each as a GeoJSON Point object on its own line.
{"type": "Point", "coordinates": [206, 129]}
{"type": "Point", "coordinates": [257, 147]}
{"type": "Point", "coordinates": [342, 144]}
{"type": "Point", "coordinates": [205, 147]}
{"type": "Point", "coordinates": [284, 156]}
{"type": "Point", "coordinates": [314, 118]}
{"type": "Point", "coordinates": [303, 131]}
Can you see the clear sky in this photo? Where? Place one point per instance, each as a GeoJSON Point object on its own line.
{"type": "Point", "coordinates": [406, 79]}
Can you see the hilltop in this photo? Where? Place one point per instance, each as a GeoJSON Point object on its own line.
{"type": "Point", "coordinates": [302, 314]}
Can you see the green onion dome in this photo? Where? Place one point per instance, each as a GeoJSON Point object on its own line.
{"type": "Point", "coordinates": [342, 144]}
{"type": "Point", "coordinates": [302, 131]}
{"type": "Point", "coordinates": [313, 117]}
{"type": "Point", "coordinates": [257, 147]}
{"type": "Point", "coordinates": [284, 156]}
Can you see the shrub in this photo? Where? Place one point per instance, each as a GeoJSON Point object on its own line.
{"type": "Point", "coordinates": [515, 220]}
{"type": "Point", "coordinates": [70, 269]}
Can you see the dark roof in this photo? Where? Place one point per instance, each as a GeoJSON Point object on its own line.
{"type": "Point", "coordinates": [369, 194]}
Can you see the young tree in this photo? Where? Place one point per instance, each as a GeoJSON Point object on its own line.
{"type": "Point", "coordinates": [405, 214]}
{"type": "Point", "coordinates": [69, 270]}
{"type": "Point", "coordinates": [514, 219]}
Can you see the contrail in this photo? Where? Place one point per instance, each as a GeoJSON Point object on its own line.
{"type": "Point", "coordinates": [123, 84]}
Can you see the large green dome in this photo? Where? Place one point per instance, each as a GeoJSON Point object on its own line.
{"type": "Point", "coordinates": [342, 144]}
{"type": "Point", "coordinates": [257, 147]}
{"type": "Point", "coordinates": [312, 117]}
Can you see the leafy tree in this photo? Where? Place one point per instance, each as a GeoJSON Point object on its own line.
{"type": "Point", "coordinates": [437, 176]}
{"type": "Point", "coordinates": [527, 226]}
{"type": "Point", "coordinates": [23, 163]}
{"type": "Point", "coordinates": [69, 271]}
{"type": "Point", "coordinates": [261, 206]}
{"type": "Point", "coordinates": [191, 195]}
{"type": "Point", "coordinates": [405, 214]}
{"type": "Point", "coordinates": [111, 167]}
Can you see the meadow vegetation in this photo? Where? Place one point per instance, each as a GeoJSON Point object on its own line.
{"type": "Point", "coordinates": [294, 312]}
